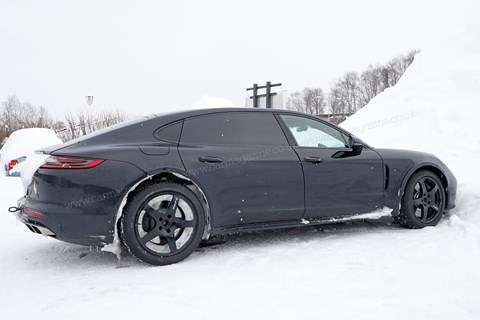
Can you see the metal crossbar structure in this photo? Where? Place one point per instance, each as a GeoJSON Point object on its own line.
{"type": "Point", "coordinates": [268, 94]}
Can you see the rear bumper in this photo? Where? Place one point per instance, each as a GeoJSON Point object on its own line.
{"type": "Point", "coordinates": [77, 206]}
{"type": "Point", "coordinates": [81, 229]}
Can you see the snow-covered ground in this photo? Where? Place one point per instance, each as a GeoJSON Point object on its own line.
{"type": "Point", "coordinates": [358, 270]}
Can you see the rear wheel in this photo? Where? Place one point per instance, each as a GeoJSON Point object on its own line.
{"type": "Point", "coordinates": [163, 224]}
{"type": "Point", "coordinates": [423, 201]}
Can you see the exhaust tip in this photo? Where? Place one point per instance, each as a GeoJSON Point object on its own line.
{"type": "Point", "coordinates": [38, 229]}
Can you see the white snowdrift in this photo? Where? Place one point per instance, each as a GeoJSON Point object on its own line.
{"type": "Point", "coordinates": [24, 142]}
{"type": "Point", "coordinates": [434, 108]}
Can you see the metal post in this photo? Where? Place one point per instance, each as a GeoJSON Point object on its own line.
{"type": "Point", "coordinates": [255, 95]}
{"type": "Point", "coordinates": [269, 95]}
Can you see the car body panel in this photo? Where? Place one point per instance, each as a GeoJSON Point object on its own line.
{"type": "Point", "coordinates": [402, 164]}
{"type": "Point", "coordinates": [248, 187]}
{"type": "Point", "coordinates": [341, 186]}
{"type": "Point", "coordinates": [76, 209]}
{"type": "Point", "coordinates": [250, 181]}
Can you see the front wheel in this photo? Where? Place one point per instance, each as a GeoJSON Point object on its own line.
{"type": "Point", "coordinates": [423, 201]}
{"type": "Point", "coordinates": [163, 224]}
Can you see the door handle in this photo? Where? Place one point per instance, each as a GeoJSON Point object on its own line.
{"type": "Point", "coordinates": [315, 160]}
{"type": "Point", "coordinates": [209, 159]}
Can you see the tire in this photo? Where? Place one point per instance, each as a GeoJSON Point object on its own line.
{"type": "Point", "coordinates": [423, 202]}
{"type": "Point", "coordinates": [162, 224]}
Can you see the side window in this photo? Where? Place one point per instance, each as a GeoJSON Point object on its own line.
{"type": "Point", "coordinates": [234, 128]}
{"type": "Point", "coordinates": [170, 132]}
{"type": "Point", "coordinates": [311, 133]}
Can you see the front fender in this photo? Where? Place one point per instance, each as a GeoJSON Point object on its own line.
{"type": "Point", "coordinates": [402, 164]}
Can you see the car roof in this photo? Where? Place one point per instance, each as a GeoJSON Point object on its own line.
{"type": "Point", "coordinates": [197, 112]}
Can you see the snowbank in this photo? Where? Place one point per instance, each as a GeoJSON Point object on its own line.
{"type": "Point", "coordinates": [24, 142]}
{"type": "Point", "coordinates": [434, 108]}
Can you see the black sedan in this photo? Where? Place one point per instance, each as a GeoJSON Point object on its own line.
{"type": "Point", "coordinates": [162, 184]}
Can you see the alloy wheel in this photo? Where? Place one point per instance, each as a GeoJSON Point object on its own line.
{"type": "Point", "coordinates": [427, 199]}
{"type": "Point", "coordinates": [165, 224]}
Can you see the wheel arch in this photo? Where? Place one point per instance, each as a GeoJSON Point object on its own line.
{"type": "Point", "coordinates": [174, 176]}
{"type": "Point", "coordinates": [425, 167]}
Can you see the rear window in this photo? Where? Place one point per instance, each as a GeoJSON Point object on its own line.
{"type": "Point", "coordinates": [233, 128]}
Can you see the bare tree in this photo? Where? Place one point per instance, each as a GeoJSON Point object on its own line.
{"type": "Point", "coordinates": [309, 100]}
{"type": "Point", "coordinates": [344, 95]}
{"type": "Point", "coordinates": [398, 65]}
{"type": "Point", "coordinates": [370, 84]}
{"type": "Point", "coordinates": [352, 91]}
{"type": "Point", "coordinates": [83, 122]}
{"type": "Point", "coordinates": [336, 105]}
{"type": "Point", "coordinates": [295, 102]}
{"type": "Point", "coordinates": [15, 115]}
{"type": "Point", "coordinates": [377, 78]}
{"type": "Point", "coordinates": [314, 101]}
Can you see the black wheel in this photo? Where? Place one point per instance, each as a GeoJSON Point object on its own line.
{"type": "Point", "coordinates": [163, 224]}
{"type": "Point", "coordinates": [423, 201]}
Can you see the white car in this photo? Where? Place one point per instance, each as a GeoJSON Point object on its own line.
{"type": "Point", "coordinates": [23, 143]}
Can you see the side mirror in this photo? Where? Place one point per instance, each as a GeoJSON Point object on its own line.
{"type": "Point", "coordinates": [356, 145]}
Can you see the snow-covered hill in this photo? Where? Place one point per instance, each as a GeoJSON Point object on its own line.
{"type": "Point", "coordinates": [435, 108]}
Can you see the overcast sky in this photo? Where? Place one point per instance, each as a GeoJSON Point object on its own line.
{"type": "Point", "coordinates": [154, 56]}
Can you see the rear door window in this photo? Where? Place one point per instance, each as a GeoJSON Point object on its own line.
{"type": "Point", "coordinates": [233, 128]}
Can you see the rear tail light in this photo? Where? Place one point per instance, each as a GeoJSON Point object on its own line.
{"type": "Point", "coordinates": [12, 164]}
{"type": "Point", "coordinates": [70, 163]}
{"type": "Point", "coordinates": [32, 213]}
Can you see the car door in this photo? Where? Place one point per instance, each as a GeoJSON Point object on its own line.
{"type": "Point", "coordinates": [244, 164]}
{"type": "Point", "coordinates": [337, 180]}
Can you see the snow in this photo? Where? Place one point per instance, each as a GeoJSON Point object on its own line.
{"type": "Point", "coordinates": [377, 214]}
{"type": "Point", "coordinates": [30, 165]}
{"type": "Point", "coordinates": [24, 142]}
{"type": "Point", "coordinates": [115, 247]}
{"type": "Point", "coordinates": [360, 269]}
